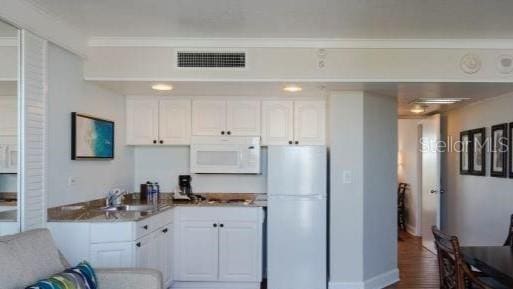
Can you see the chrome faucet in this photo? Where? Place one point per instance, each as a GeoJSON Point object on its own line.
{"type": "Point", "coordinates": [115, 197]}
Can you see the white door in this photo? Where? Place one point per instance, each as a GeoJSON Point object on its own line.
{"type": "Point", "coordinates": [197, 251]}
{"type": "Point", "coordinates": [174, 122]}
{"type": "Point", "coordinates": [112, 255]}
{"type": "Point", "coordinates": [146, 253]}
{"type": "Point", "coordinates": [9, 116]}
{"type": "Point", "coordinates": [430, 179]}
{"type": "Point", "coordinates": [243, 118]}
{"type": "Point", "coordinates": [239, 252]}
{"type": "Point", "coordinates": [277, 122]}
{"type": "Point", "coordinates": [310, 122]}
{"type": "Point", "coordinates": [142, 121]}
{"type": "Point", "coordinates": [209, 117]}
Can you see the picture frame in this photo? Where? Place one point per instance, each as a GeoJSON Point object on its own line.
{"type": "Point", "coordinates": [510, 152]}
{"type": "Point", "coordinates": [478, 151]}
{"type": "Point", "coordinates": [92, 138]}
{"type": "Point", "coordinates": [465, 153]}
{"type": "Point", "coordinates": [499, 151]}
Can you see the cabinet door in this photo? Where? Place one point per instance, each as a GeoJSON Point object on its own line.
{"type": "Point", "coordinates": [9, 116]}
{"type": "Point", "coordinates": [310, 122]}
{"type": "Point", "coordinates": [142, 121]}
{"type": "Point", "coordinates": [208, 117]}
{"type": "Point", "coordinates": [174, 122]}
{"type": "Point", "coordinates": [243, 118]}
{"type": "Point", "coordinates": [112, 255]}
{"type": "Point", "coordinates": [164, 246]}
{"type": "Point", "coordinates": [277, 123]}
{"type": "Point", "coordinates": [146, 252]}
{"type": "Point", "coordinates": [240, 245]}
{"type": "Point", "coordinates": [197, 251]}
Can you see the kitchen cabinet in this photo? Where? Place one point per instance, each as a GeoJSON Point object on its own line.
{"type": "Point", "coordinates": [220, 117]}
{"type": "Point", "coordinates": [158, 121]}
{"type": "Point", "coordinates": [219, 245]}
{"type": "Point", "coordinates": [300, 122]}
{"type": "Point", "coordinates": [145, 244]}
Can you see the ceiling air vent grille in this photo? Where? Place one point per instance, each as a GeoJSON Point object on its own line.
{"type": "Point", "coordinates": [206, 59]}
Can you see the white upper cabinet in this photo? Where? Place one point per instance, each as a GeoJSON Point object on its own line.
{"type": "Point", "coordinates": [277, 123]}
{"type": "Point", "coordinates": [294, 122]}
{"type": "Point", "coordinates": [142, 117]}
{"type": "Point", "coordinates": [8, 116]}
{"type": "Point", "coordinates": [243, 117]}
{"type": "Point", "coordinates": [220, 117]}
{"type": "Point", "coordinates": [208, 117]}
{"type": "Point", "coordinates": [158, 121]}
{"type": "Point", "coordinates": [174, 121]}
{"type": "Point", "coordinates": [310, 122]}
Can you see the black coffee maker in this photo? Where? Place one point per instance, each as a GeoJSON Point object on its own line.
{"type": "Point", "coordinates": [184, 182]}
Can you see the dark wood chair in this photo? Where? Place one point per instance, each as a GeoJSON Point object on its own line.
{"type": "Point", "coordinates": [454, 272]}
{"type": "Point", "coordinates": [401, 207]}
{"type": "Point", "coordinates": [509, 239]}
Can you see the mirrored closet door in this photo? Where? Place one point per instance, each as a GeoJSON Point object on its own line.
{"type": "Point", "coordinates": [9, 130]}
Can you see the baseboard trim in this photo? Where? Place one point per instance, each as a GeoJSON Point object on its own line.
{"type": "Point", "coordinates": [412, 230]}
{"type": "Point", "coordinates": [377, 282]}
{"type": "Point", "coordinates": [216, 285]}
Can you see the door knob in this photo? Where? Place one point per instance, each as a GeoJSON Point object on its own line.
{"type": "Point", "coordinates": [161, 141]}
{"type": "Point", "coordinates": [222, 132]}
{"type": "Point", "coordinates": [433, 192]}
{"type": "Point", "coordinates": [290, 142]}
{"type": "Point", "coordinates": [154, 141]}
{"type": "Point", "coordinates": [215, 225]}
{"type": "Point", "coordinates": [297, 142]}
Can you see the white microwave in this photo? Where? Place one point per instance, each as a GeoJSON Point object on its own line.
{"type": "Point", "coordinates": [225, 155]}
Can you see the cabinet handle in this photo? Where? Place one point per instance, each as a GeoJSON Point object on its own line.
{"type": "Point", "coordinates": [222, 225]}
{"type": "Point", "coordinates": [145, 227]}
{"type": "Point", "coordinates": [297, 142]}
{"type": "Point", "coordinates": [161, 141]}
{"type": "Point", "coordinates": [215, 225]}
{"type": "Point", "coordinates": [290, 142]}
{"type": "Point", "coordinates": [229, 133]}
{"type": "Point", "coordinates": [154, 141]}
{"type": "Point", "coordinates": [138, 245]}
{"type": "Point", "coordinates": [222, 132]}
{"type": "Point", "coordinates": [164, 231]}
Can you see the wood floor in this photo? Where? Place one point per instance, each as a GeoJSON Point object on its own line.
{"type": "Point", "coordinates": [418, 267]}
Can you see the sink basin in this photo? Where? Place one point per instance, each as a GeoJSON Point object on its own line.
{"type": "Point", "coordinates": [129, 208]}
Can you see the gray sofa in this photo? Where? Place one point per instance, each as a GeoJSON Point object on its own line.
{"type": "Point", "coordinates": [30, 256]}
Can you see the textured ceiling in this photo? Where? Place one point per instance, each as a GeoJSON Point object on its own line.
{"type": "Point", "coordinates": [287, 18]}
{"type": "Point", "coordinates": [404, 92]}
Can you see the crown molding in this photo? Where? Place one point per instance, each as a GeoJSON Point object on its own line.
{"type": "Point", "coordinates": [23, 14]}
{"type": "Point", "coordinates": [9, 41]}
{"type": "Point", "coordinates": [301, 43]}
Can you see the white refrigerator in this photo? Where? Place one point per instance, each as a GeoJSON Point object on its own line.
{"type": "Point", "coordinates": [297, 217]}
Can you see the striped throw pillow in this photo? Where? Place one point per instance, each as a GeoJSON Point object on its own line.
{"type": "Point", "coordinates": [80, 277]}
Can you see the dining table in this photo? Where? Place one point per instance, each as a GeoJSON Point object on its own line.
{"type": "Point", "coordinates": [495, 261]}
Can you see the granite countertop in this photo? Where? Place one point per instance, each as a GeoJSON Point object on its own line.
{"type": "Point", "coordinates": [92, 211]}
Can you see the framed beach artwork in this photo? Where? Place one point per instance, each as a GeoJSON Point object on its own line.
{"type": "Point", "coordinates": [465, 153]}
{"type": "Point", "coordinates": [478, 147]}
{"type": "Point", "coordinates": [91, 137]}
{"type": "Point", "coordinates": [498, 151]}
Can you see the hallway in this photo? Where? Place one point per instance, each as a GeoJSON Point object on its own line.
{"type": "Point", "coordinates": [418, 266]}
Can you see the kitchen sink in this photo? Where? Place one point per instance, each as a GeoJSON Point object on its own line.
{"type": "Point", "coordinates": [129, 208]}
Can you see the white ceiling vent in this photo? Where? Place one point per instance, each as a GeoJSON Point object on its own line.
{"type": "Point", "coordinates": [211, 59]}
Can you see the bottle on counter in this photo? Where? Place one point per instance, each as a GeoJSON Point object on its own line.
{"type": "Point", "coordinates": [157, 191]}
{"type": "Point", "coordinates": [149, 193]}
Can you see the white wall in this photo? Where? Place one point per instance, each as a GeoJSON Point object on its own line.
{"type": "Point", "coordinates": [379, 188]}
{"type": "Point", "coordinates": [164, 164]}
{"type": "Point", "coordinates": [408, 170]}
{"type": "Point", "coordinates": [68, 92]}
{"type": "Point", "coordinates": [363, 176]}
{"type": "Point", "coordinates": [477, 209]}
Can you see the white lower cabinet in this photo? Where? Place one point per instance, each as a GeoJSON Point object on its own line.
{"type": "Point", "coordinates": [221, 245]}
{"type": "Point", "coordinates": [193, 247]}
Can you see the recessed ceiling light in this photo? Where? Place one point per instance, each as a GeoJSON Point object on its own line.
{"type": "Point", "coordinates": [418, 109]}
{"type": "Point", "coordinates": [293, 88]}
{"type": "Point", "coordinates": [439, 100]}
{"type": "Point", "coordinates": [162, 87]}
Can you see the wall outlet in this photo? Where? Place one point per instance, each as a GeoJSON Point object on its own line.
{"type": "Point", "coordinates": [347, 177]}
{"type": "Point", "coordinates": [72, 181]}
